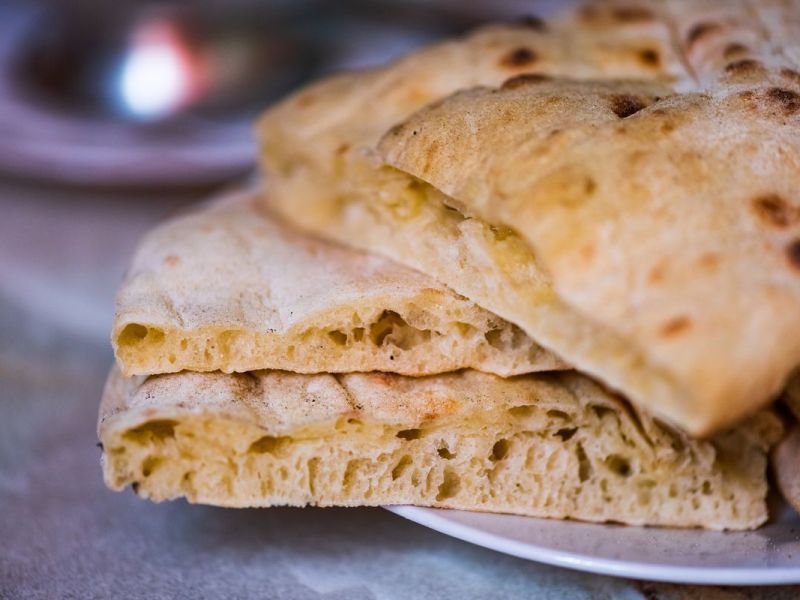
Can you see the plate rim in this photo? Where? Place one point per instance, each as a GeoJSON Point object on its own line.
{"type": "Point", "coordinates": [432, 518]}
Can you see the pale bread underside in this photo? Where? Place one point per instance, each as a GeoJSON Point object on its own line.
{"type": "Point", "coordinates": [231, 288]}
{"type": "Point", "coordinates": [714, 335]}
{"type": "Point", "coordinates": [554, 445]}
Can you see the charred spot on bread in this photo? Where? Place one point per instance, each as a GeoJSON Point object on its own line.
{"type": "Point", "coordinates": [632, 14]}
{"type": "Point", "coordinates": [518, 81]}
{"type": "Point", "coordinates": [791, 75]}
{"type": "Point", "coordinates": [675, 326]}
{"type": "Point", "coordinates": [774, 101]}
{"type": "Point", "coordinates": [773, 210]}
{"type": "Point", "coordinates": [519, 57]}
{"type": "Point", "coordinates": [746, 66]}
{"type": "Point", "coordinates": [787, 100]}
{"type": "Point", "coordinates": [396, 129]}
{"type": "Point", "coordinates": [625, 105]}
{"type": "Point", "coordinates": [734, 49]}
{"type": "Point", "coordinates": [793, 253]}
{"type": "Point", "coordinates": [649, 57]}
{"type": "Point", "coordinates": [699, 31]}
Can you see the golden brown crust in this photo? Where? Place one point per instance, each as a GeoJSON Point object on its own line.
{"type": "Point", "coordinates": [679, 241]}
{"type": "Point", "coordinates": [668, 234]}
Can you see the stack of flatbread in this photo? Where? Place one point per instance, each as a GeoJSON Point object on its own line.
{"type": "Point", "coordinates": [549, 268]}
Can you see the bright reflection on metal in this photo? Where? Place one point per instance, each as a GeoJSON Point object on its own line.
{"type": "Point", "coordinates": [156, 75]}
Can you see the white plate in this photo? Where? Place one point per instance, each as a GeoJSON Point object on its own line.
{"type": "Point", "coordinates": [769, 555]}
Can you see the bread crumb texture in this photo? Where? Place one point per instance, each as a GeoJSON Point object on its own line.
{"type": "Point", "coordinates": [554, 445]}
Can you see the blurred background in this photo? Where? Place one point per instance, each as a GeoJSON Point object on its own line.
{"type": "Point", "coordinates": [154, 92]}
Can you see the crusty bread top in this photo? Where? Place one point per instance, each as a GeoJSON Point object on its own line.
{"type": "Point", "coordinates": [346, 114]}
{"type": "Point", "coordinates": [676, 226]}
{"type": "Point", "coordinates": [230, 287]}
{"type": "Point", "coordinates": [648, 154]}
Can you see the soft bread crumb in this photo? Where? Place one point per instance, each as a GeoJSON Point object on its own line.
{"type": "Point", "coordinates": [548, 446]}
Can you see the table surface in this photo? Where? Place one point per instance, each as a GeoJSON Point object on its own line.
{"type": "Point", "coordinates": [63, 535]}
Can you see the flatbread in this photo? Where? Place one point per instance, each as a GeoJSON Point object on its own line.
{"type": "Point", "coordinates": [551, 445]}
{"type": "Point", "coordinates": [671, 231]}
{"type": "Point", "coordinates": [632, 221]}
{"type": "Point", "coordinates": [230, 287]}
